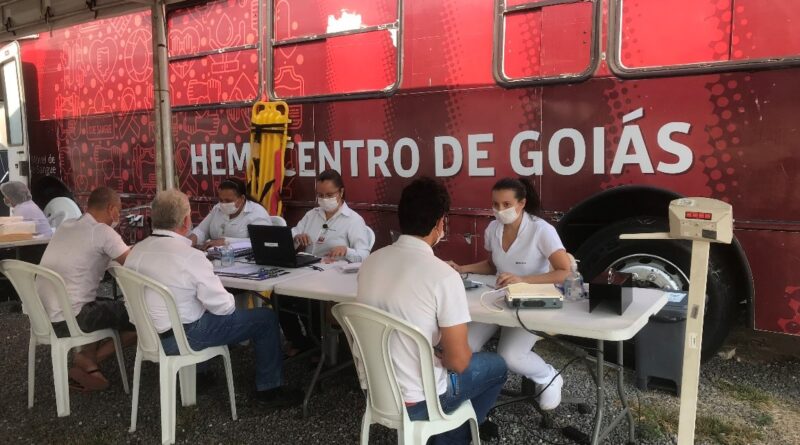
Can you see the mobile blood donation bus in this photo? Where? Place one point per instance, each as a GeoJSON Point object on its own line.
{"type": "Point", "coordinates": [613, 107]}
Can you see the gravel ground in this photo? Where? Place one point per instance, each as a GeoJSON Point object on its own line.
{"type": "Point", "coordinates": [742, 402]}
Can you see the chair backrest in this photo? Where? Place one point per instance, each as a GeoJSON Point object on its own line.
{"type": "Point", "coordinates": [370, 238]}
{"type": "Point", "coordinates": [370, 330]}
{"type": "Point", "coordinates": [61, 209]}
{"type": "Point", "coordinates": [23, 277]}
{"type": "Point", "coordinates": [277, 221]}
{"type": "Point", "coordinates": [134, 287]}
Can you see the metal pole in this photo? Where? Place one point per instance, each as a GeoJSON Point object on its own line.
{"type": "Point", "coordinates": [165, 167]}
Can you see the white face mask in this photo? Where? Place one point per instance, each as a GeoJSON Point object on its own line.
{"type": "Point", "coordinates": [115, 224]}
{"type": "Point", "coordinates": [228, 208]}
{"type": "Point", "coordinates": [328, 204]}
{"type": "Point", "coordinates": [439, 238]}
{"type": "Point", "coordinates": [506, 216]}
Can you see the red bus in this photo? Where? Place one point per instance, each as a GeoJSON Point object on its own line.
{"type": "Point", "coordinates": [613, 107]}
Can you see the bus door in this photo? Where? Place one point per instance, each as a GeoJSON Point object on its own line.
{"type": "Point", "coordinates": [14, 164]}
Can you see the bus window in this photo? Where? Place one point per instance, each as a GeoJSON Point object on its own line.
{"type": "Point", "coordinates": [649, 38]}
{"type": "Point", "coordinates": [334, 49]}
{"type": "Point", "coordinates": [213, 53]}
{"type": "Point", "coordinates": [545, 41]}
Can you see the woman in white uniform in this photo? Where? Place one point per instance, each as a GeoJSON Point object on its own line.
{"type": "Point", "coordinates": [228, 220]}
{"type": "Point", "coordinates": [332, 230]}
{"type": "Point", "coordinates": [523, 248]}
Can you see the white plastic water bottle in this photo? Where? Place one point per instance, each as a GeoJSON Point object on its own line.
{"type": "Point", "coordinates": [227, 255]}
{"type": "Point", "coordinates": [573, 284]}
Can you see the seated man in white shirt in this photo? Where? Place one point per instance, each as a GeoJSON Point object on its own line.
{"type": "Point", "coordinates": [18, 198]}
{"type": "Point", "coordinates": [206, 309]}
{"type": "Point", "coordinates": [407, 280]}
{"type": "Point", "coordinates": [228, 220]}
{"type": "Point", "coordinates": [80, 251]}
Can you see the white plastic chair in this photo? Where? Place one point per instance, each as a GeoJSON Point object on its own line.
{"type": "Point", "coordinates": [133, 285]}
{"type": "Point", "coordinates": [370, 237]}
{"type": "Point", "coordinates": [59, 210]}
{"type": "Point", "coordinates": [277, 221]}
{"type": "Point", "coordinates": [369, 330]}
{"type": "Point", "coordinates": [23, 277]}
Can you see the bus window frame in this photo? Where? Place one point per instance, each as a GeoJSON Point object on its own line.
{"type": "Point", "coordinates": [498, 52]}
{"type": "Point", "coordinates": [247, 47]}
{"type": "Point", "coordinates": [619, 69]}
{"type": "Point", "coordinates": [272, 43]}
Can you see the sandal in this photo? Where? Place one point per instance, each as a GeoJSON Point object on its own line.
{"type": "Point", "coordinates": [89, 380]}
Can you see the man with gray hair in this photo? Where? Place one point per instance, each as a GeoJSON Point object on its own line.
{"type": "Point", "coordinates": [18, 198]}
{"type": "Point", "coordinates": [206, 309]}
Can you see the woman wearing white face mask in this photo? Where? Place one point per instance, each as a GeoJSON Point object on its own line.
{"type": "Point", "coordinates": [332, 230]}
{"type": "Point", "coordinates": [229, 219]}
{"type": "Point", "coordinates": [523, 248]}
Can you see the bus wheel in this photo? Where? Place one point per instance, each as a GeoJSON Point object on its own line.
{"type": "Point", "coordinates": [661, 264]}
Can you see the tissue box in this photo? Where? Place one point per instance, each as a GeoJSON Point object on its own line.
{"type": "Point", "coordinates": [611, 289]}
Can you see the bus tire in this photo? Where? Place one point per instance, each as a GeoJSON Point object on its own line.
{"type": "Point", "coordinates": [662, 264]}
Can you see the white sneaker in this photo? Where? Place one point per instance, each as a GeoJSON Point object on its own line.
{"type": "Point", "coordinates": [550, 398]}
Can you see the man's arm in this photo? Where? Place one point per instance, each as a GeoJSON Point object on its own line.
{"type": "Point", "coordinates": [455, 351]}
{"type": "Point", "coordinates": [121, 259]}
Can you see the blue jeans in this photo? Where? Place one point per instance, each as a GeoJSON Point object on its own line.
{"type": "Point", "coordinates": [480, 383]}
{"type": "Point", "coordinates": [257, 325]}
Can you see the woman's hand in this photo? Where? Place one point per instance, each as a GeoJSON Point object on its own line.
{"type": "Point", "coordinates": [337, 252]}
{"type": "Point", "coordinates": [455, 266]}
{"type": "Point", "coordinates": [504, 279]}
{"type": "Point", "coordinates": [302, 240]}
{"type": "Point", "coordinates": [214, 243]}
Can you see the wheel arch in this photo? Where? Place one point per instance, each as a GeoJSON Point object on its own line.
{"type": "Point", "coordinates": [619, 203]}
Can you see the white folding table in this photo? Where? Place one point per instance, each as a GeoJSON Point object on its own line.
{"type": "Point", "coordinates": [574, 319]}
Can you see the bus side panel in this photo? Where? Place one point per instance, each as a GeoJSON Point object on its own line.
{"type": "Point", "coordinates": [777, 303]}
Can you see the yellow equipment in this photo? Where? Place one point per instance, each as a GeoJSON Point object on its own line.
{"type": "Point", "coordinates": [269, 127]}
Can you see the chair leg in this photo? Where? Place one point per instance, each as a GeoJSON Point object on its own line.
{"type": "Point", "coordinates": [121, 361]}
{"type": "Point", "coordinates": [366, 421]}
{"type": "Point", "coordinates": [187, 378]}
{"type": "Point", "coordinates": [31, 370]}
{"type": "Point", "coordinates": [58, 354]}
{"type": "Point", "coordinates": [226, 358]}
{"type": "Point", "coordinates": [476, 434]}
{"type": "Point", "coordinates": [137, 373]}
{"type": "Point", "coordinates": [167, 391]}
{"type": "Point", "coordinates": [405, 436]}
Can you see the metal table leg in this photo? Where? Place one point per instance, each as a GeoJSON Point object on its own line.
{"type": "Point", "coordinates": [623, 399]}
{"type": "Point", "coordinates": [323, 333]}
{"type": "Point", "coordinates": [601, 399]}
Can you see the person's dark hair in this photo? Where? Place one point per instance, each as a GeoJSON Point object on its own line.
{"type": "Point", "coordinates": [333, 176]}
{"type": "Point", "coordinates": [422, 204]}
{"type": "Point", "coordinates": [235, 184]}
{"type": "Point", "coordinates": [523, 189]}
{"type": "Point", "coordinates": [102, 197]}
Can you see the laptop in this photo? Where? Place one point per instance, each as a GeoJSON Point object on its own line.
{"type": "Point", "coordinates": [274, 246]}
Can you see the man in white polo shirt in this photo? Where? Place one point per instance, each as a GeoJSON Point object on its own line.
{"type": "Point", "coordinates": [80, 251]}
{"type": "Point", "coordinates": [207, 311]}
{"type": "Point", "coordinates": [407, 280]}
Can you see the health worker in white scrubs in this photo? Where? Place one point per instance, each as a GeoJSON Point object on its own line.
{"type": "Point", "coordinates": [332, 230]}
{"type": "Point", "coordinates": [228, 220]}
{"type": "Point", "coordinates": [523, 248]}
